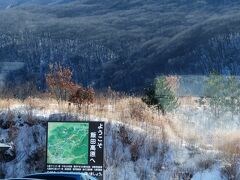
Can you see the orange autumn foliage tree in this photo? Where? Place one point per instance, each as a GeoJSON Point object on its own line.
{"type": "Point", "coordinates": [61, 86]}
{"type": "Point", "coordinates": [59, 81]}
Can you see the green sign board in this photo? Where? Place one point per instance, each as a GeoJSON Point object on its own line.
{"type": "Point", "coordinates": [75, 147]}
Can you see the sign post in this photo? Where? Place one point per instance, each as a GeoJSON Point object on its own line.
{"type": "Point", "coordinates": [75, 147]}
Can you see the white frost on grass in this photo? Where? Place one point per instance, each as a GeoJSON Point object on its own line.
{"type": "Point", "coordinates": [156, 158]}
{"type": "Point", "coordinates": [209, 174]}
{"type": "Point", "coordinates": [26, 143]}
{"type": "Point", "coordinates": [123, 172]}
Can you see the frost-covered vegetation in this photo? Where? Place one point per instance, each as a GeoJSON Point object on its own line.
{"type": "Point", "coordinates": [139, 143]}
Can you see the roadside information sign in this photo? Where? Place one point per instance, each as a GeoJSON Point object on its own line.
{"type": "Point", "coordinates": [75, 147]}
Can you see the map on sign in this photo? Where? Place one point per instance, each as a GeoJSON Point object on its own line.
{"type": "Point", "coordinates": [68, 143]}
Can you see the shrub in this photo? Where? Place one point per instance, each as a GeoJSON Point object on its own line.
{"type": "Point", "coordinates": [134, 151]}
{"type": "Point", "coordinates": [59, 81]}
{"type": "Point", "coordinates": [214, 90]}
{"type": "Point", "coordinates": [223, 93]}
{"type": "Point", "coordinates": [160, 96]}
{"type": "Point", "coordinates": [82, 96]}
{"type": "Point", "coordinates": [137, 109]}
{"type": "Point", "coordinates": [123, 134]}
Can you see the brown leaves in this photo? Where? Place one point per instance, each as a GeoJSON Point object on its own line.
{"type": "Point", "coordinates": [59, 81]}
{"type": "Point", "coordinates": [60, 77]}
{"type": "Point", "coordinates": [82, 96]}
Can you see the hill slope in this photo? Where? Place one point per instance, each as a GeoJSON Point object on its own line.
{"type": "Point", "coordinates": [123, 44]}
{"type": "Point", "coordinates": [13, 3]}
{"type": "Point", "coordinates": [139, 144]}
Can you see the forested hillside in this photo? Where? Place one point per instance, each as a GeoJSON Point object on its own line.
{"type": "Point", "coordinates": [122, 44]}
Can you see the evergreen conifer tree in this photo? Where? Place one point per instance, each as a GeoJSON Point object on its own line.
{"type": "Point", "coordinates": [161, 96]}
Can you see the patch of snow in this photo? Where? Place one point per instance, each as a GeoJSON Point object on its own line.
{"type": "Point", "coordinates": [26, 143]}
{"type": "Point", "coordinates": [209, 174]}
{"type": "Point", "coordinates": [156, 158]}
{"type": "Point", "coordinates": [4, 146]}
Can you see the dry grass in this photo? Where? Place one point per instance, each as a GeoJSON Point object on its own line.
{"type": "Point", "coordinates": [126, 109]}
{"type": "Point", "coordinates": [8, 103]}
{"type": "Point", "coordinates": [228, 142]}
{"type": "Point", "coordinates": [131, 111]}
{"type": "Point", "coordinates": [188, 101]}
